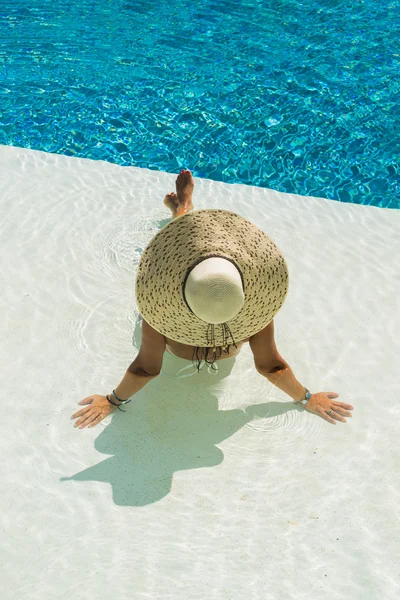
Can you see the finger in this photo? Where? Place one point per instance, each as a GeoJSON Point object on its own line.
{"type": "Point", "coordinates": [335, 413]}
{"type": "Point", "coordinates": [95, 422]}
{"type": "Point", "coordinates": [343, 405]}
{"type": "Point", "coordinates": [328, 418]}
{"type": "Point", "coordinates": [331, 394]}
{"type": "Point", "coordinates": [342, 411]}
{"type": "Point", "coordinates": [88, 415]}
{"type": "Point", "coordinates": [87, 400]}
{"type": "Point", "coordinates": [338, 417]}
{"type": "Point", "coordinates": [80, 412]}
{"type": "Point", "coordinates": [86, 420]}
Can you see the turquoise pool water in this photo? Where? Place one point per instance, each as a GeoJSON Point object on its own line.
{"type": "Point", "coordinates": [297, 96]}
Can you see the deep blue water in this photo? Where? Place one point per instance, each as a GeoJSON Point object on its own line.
{"type": "Point", "coordinates": [301, 97]}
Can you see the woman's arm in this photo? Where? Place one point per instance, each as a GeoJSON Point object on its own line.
{"type": "Point", "coordinates": [272, 365]}
{"type": "Point", "coordinates": [146, 366]}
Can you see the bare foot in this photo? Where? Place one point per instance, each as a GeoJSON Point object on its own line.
{"type": "Point", "coordinates": [181, 202]}
{"type": "Point", "coordinates": [171, 200]}
{"type": "Point", "coordinates": [184, 191]}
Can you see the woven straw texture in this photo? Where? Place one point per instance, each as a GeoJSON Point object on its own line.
{"type": "Point", "coordinates": [203, 233]}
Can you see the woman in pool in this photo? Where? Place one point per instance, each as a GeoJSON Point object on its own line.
{"type": "Point", "coordinates": [207, 283]}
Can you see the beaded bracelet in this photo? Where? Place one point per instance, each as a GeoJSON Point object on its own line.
{"type": "Point", "coordinates": [118, 398]}
{"type": "Point", "coordinates": [117, 405]}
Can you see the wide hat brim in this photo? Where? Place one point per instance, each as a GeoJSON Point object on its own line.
{"type": "Point", "coordinates": [202, 234]}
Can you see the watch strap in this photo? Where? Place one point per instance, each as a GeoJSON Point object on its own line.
{"type": "Point", "coordinates": [305, 398]}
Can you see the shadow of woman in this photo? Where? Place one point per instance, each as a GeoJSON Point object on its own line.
{"type": "Point", "coordinates": [171, 425]}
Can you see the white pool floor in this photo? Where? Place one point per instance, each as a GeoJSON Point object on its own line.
{"type": "Point", "coordinates": [208, 486]}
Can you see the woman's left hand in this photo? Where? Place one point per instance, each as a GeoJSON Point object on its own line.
{"type": "Point", "coordinates": [322, 402]}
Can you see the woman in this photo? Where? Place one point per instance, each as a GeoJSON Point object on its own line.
{"type": "Point", "coordinates": [207, 283]}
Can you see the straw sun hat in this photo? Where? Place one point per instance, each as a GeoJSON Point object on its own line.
{"type": "Point", "coordinates": [210, 278]}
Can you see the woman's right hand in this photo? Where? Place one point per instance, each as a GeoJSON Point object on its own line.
{"type": "Point", "coordinates": [97, 409]}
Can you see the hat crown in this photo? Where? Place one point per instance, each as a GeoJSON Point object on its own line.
{"type": "Point", "coordinates": [214, 290]}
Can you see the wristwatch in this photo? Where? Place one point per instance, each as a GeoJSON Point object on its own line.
{"type": "Point", "coordinates": [305, 398]}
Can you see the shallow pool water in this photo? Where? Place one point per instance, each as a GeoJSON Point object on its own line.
{"type": "Point", "coordinates": [300, 97]}
{"type": "Point", "coordinates": [213, 484]}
